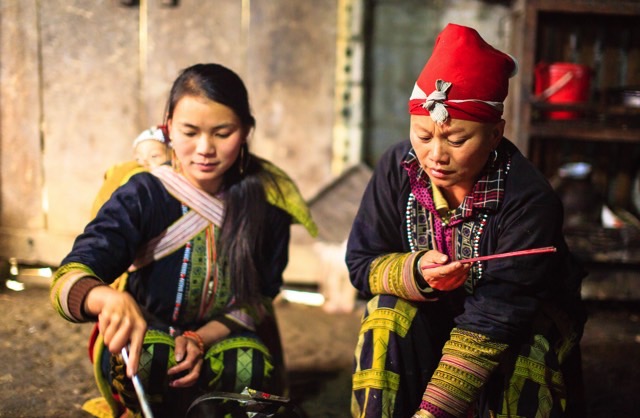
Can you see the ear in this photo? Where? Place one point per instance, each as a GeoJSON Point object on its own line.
{"type": "Point", "coordinates": [249, 133]}
{"type": "Point", "coordinates": [497, 133]}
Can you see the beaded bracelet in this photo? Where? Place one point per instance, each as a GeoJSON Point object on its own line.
{"type": "Point", "coordinates": [194, 336]}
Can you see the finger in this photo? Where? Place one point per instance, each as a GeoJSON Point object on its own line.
{"type": "Point", "coordinates": [103, 322]}
{"type": "Point", "coordinates": [431, 258]}
{"type": "Point", "coordinates": [455, 281]}
{"type": "Point", "coordinates": [179, 368]}
{"type": "Point", "coordinates": [453, 268]}
{"type": "Point", "coordinates": [135, 351]}
{"type": "Point", "coordinates": [189, 379]}
{"type": "Point", "coordinates": [181, 348]}
{"type": "Point", "coordinates": [111, 327]}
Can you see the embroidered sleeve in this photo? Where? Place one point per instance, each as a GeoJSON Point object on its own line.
{"type": "Point", "coordinates": [69, 287]}
{"type": "Point", "coordinates": [285, 195]}
{"type": "Point", "coordinates": [248, 317]}
{"type": "Point", "coordinates": [394, 274]}
{"type": "Point", "coordinates": [467, 362]}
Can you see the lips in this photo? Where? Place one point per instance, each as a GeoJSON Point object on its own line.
{"type": "Point", "coordinates": [439, 173]}
{"type": "Point", "coordinates": [206, 166]}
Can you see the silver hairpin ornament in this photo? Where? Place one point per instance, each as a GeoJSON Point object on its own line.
{"type": "Point", "coordinates": [435, 102]}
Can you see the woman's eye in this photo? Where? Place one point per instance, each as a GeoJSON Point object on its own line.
{"type": "Point", "coordinates": [457, 141]}
{"type": "Point", "coordinates": [223, 134]}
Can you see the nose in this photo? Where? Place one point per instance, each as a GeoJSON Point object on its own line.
{"type": "Point", "coordinates": [438, 152]}
{"type": "Point", "coordinates": [205, 145]}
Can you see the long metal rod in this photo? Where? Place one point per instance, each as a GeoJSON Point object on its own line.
{"type": "Point", "coordinates": [146, 408]}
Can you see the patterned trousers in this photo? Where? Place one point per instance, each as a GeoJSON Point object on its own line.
{"type": "Point", "coordinates": [400, 345]}
{"type": "Point", "coordinates": [239, 361]}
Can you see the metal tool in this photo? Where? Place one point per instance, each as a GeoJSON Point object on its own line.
{"type": "Point", "coordinates": [137, 384]}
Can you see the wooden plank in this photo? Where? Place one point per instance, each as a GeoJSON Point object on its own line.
{"type": "Point", "coordinates": [291, 77]}
{"type": "Point", "coordinates": [21, 177]}
{"type": "Point", "coordinates": [192, 32]}
{"type": "Point", "coordinates": [90, 101]}
{"type": "Point", "coordinates": [35, 246]}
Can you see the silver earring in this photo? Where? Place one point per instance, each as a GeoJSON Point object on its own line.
{"type": "Point", "coordinates": [241, 162]}
{"type": "Point", "coordinates": [495, 156]}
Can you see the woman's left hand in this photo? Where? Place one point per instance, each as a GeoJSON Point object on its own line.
{"type": "Point", "coordinates": [445, 277]}
{"type": "Point", "coordinates": [189, 357]}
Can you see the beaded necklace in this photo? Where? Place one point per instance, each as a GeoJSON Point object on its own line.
{"type": "Point", "coordinates": [411, 234]}
{"type": "Point", "coordinates": [411, 216]}
{"type": "Point", "coordinates": [411, 222]}
{"type": "Point", "coordinates": [183, 274]}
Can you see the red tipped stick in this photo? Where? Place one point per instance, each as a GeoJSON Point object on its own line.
{"type": "Point", "coordinates": [503, 255]}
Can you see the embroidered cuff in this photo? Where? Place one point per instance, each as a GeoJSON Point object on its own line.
{"type": "Point", "coordinates": [77, 296]}
{"type": "Point", "coordinates": [467, 362]}
{"type": "Point", "coordinates": [394, 274]}
{"type": "Point", "coordinates": [69, 287]}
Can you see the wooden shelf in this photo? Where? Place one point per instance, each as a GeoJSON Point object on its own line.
{"type": "Point", "coordinates": [603, 36]}
{"type": "Point", "coordinates": [628, 7]}
{"type": "Point", "coordinates": [605, 245]}
{"type": "Point", "coordinates": [583, 130]}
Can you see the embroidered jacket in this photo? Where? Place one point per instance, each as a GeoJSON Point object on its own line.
{"type": "Point", "coordinates": [512, 207]}
{"type": "Point", "coordinates": [136, 213]}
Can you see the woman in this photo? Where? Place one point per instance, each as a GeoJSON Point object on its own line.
{"type": "Point", "coordinates": [205, 243]}
{"type": "Point", "coordinates": [442, 338]}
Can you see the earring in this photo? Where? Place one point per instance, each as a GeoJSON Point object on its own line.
{"type": "Point", "coordinates": [495, 156]}
{"type": "Point", "coordinates": [175, 163]}
{"type": "Point", "coordinates": [241, 163]}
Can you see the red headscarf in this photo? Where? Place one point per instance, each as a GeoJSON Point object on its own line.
{"type": "Point", "coordinates": [465, 78]}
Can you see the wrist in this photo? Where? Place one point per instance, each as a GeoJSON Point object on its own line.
{"type": "Point", "coordinates": [195, 337]}
{"type": "Point", "coordinates": [418, 275]}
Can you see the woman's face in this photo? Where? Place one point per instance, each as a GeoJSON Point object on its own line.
{"type": "Point", "coordinates": [206, 137]}
{"type": "Point", "coordinates": [151, 153]}
{"type": "Point", "coordinates": [453, 154]}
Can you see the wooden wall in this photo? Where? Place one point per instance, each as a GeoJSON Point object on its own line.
{"type": "Point", "coordinates": [79, 79]}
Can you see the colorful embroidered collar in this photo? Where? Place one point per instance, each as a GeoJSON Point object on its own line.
{"type": "Point", "coordinates": [486, 196]}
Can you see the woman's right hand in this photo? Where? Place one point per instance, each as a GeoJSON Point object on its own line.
{"type": "Point", "coordinates": [120, 322]}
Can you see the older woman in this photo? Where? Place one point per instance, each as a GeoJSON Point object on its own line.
{"type": "Point", "coordinates": [441, 337]}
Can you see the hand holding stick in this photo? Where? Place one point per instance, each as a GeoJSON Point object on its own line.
{"type": "Point", "coordinates": [502, 255]}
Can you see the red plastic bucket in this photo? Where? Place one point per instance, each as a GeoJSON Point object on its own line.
{"type": "Point", "coordinates": [562, 83]}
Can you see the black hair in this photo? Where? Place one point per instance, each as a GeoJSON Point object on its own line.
{"type": "Point", "coordinates": [242, 230]}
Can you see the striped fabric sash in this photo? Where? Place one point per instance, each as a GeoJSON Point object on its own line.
{"type": "Point", "coordinates": [205, 210]}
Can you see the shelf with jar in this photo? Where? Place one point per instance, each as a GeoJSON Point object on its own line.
{"type": "Point", "coordinates": [577, 102]}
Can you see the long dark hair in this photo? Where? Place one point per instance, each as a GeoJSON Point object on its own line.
{"type": "Point", "coordinates": [243, 183]}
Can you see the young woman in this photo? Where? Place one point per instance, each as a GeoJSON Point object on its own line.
{"type": "Point", "coordinates": [204, 242]}
{"type": "Point", "coordinates": [444, 338]}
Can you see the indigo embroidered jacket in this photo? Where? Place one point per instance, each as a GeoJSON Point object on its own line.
{"type": "Point", "coordinates": [137, 212]}
{"type": "Point", "coordinates": [511, 208]}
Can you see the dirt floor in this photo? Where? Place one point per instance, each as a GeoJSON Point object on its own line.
{"type": "Point", "coordinates": [46, 370]}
